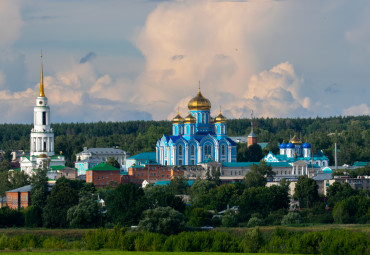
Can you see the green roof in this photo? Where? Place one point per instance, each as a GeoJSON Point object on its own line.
{"type": "Point", "coordinates": [360, 163]}
{"type": "Point", "coordinates": [103, 167]}
{"type": "Point", "coordinates": [60, 167]}
{"type": "Point", "coordinates": [145, 156]}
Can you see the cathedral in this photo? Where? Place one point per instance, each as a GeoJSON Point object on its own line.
{"type": "Point", "coordinates": [197, 138]}
{"type": "Point", "coordinates": [295, 151]}
{"type": "Point", "coordinates": [42, 136]}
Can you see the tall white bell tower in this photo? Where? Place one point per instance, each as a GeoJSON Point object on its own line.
{"type": "Point", "coordinates": [42, 136]}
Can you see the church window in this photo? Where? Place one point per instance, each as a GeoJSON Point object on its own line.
{"type": "Point", "coordinates": [203, 118]}
{"type": "Point", "coordinates": [180, 162]}
{"type": "Point", "coordinates": [43, 118]}
{"type": "Point", "coordinates": [223, 130]}
{"type": "Point", "coordinates": [223, 150]}
{"type": "Point", "coordinates": [180, 150]}
{"type": "Point", "coordinates": [192, 129]}
{"type": "Point", "coordinates": [44, 146]}
{"type": "Point", "coordinates": [192, 150]}
{"type": "Point", "coordinates": [192, 162]}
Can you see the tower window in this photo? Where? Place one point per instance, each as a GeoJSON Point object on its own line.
{"type": "Point", "coordinates": [223, 150]}
{"type": "Point", "coordinates": [180, 150]}
{"type": "Point", "coordinates": [43, 118]}
{"type": "Point", "coordinates": [192, 150]}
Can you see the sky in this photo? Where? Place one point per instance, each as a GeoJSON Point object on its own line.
{"type": "Point", "coordinates": [121, 60]}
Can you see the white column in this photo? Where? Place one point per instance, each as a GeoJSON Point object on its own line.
{"type": "Point", "coordinates": [217, 153]}
{"type": "Point", "coordinates": [199, 154]}
{"type": "Point", "coordinates": [186, 155]}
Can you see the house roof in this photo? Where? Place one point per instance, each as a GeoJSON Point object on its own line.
{"type": "Point", "coordinates": [323, 176]}
{"type": "Point", "coordinates": [103, 167]}
{"type": "Point", "coordinates": [102, 151]}
{"type": "Point", "coordinates": [59, 167]}
{"type": "Point", "coordinates": [190, 183]}
{"type": "Point", "coordinates": [26, 188]}
{"type": "Point", "coordinates": [360, 163]}
{"type": "Point", "coordinates": [144, 156]}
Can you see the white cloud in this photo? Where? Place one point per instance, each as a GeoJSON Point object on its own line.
{"type": "Point", "coordinates": [362, 109]}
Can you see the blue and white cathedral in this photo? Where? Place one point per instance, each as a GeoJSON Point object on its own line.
{"type": "Point", "coordinates": [197, 138]}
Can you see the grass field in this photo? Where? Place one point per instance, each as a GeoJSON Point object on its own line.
{"type": "Point", "coordinates": [79, 233]}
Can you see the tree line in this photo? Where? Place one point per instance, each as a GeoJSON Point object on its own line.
{"type": "Point", "coordinates": [352, 134]}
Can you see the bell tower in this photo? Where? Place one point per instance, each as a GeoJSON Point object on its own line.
{"type": "Point", "coordinates": [42, 136]}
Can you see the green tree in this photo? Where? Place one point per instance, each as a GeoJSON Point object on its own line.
{"type": "Point", "coordinates": [199, 192]}
{"type": "Point", "coordinates": [163, 220]}
{"type": "Point", "coordinates": [179, 185]}
{"type": "Point", "coordinates": [306, 191]}
{"type": "Point", "coordinates": [113, 162]}
{"type": "Point", "coordinates": [86, 214]}
{"type": "Point", "coordinates": [5, 185]}
{"type": "Point", "coordinates": [160, 196]}
{"type": "Point", "coordinates": [229, 219]}
{"type": "Point", "coordinates": [62, 197]}
{"type": "Point", "coordinates": [200, 217]}
{"type": "Point", "coordinates": [257, 176]}
{"type": "Point", "coordinates": [338, 192]}
{"type": "Point", "coordinates": [19, 179]}
{"type": "Point", "coordinates": [39, 187]}
{"type": "Point", "coordinates": [33, 216]}
{"type": "Point", "coordinates": [125, 204]}
{"type": "Point", "coordinates": [291, 218]}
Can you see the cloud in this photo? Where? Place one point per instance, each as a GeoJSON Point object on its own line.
{"type": "Point", "coordinates": [362, 109]}
{"type": "Point", "coordinates": [88, 57]}
{"type": "Point", "coordinates": [10, 21]}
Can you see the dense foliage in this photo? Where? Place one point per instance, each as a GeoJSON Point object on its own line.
{"type": "Point", "coordinates": [278, 240]}
{"type": "Point", "coordinates": [352, 134]}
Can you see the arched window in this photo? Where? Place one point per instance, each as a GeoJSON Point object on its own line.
{"type": "Point", "coordinates": [223, 152]}
{"type": "Point", "coordinates": [203, 118]}
{"type": "Point", "coordinates": [180, 150]}
{"type": "Point", "coordinates": [207, 150]}
{"type": "Point", "coordinates": [192, 129]}
{"type": "Point", "coordinates": [192, 150]}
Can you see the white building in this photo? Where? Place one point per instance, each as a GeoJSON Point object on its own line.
{"type": "Point", "coordinates": [42, 136]}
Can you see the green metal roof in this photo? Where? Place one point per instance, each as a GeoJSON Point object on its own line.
{"type": "Point", "coordinates": [360, 163]}
{"type": "Point", "coordinates": [57, 167]}
{"type": "Point", "coordinates": [103, 167]}
{"type": "Point", "coordinates": [145, 156]}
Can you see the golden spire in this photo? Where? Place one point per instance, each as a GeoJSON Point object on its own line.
{"type": "Point", "coordinates": [199, 87]}
{"type": "Point", "coordinates": [42, 94]}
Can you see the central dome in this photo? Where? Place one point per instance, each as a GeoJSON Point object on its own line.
{"type": "Point", "coordinates": [199, 102]}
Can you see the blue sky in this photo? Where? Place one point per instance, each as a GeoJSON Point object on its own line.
{"type": "Point", "coordinates": [131, 60]}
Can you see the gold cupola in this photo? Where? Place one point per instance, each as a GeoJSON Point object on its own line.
{"type": "Point", "coordinates": [199, 102]}
{"type": "Point", "coordinates": [190, 119]}
{"type": "Point", "coordinates": [178, 119]}
{"type": "Point", "coordinates": [295, 140]}
{"type": "Point", "coordinates": [41, 94]}
{"type": "Point", "coordinates": [220, 118]}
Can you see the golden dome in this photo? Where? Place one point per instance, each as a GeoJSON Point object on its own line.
{"type": "Point", "coordinates": [220, 118]}
{"type": "Point", "coordinates": [199, 102]}
{"type": "Point", "coordinates": [43, 155]}
{"type": "Point", "coordinates": [178, 119]}
{"type": "Point", "coordinates": [190, 119]}
{"type": "Point", "coordinates": [295, 140]}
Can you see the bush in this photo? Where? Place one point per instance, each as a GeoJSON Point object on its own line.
{"type": "Point", "coordinates": [252, 241]}
{"type": "Point", "coordinates": [3, 241]}
{"type": "Point", "coordinates": [291, 218]}
{"type": "Point", "coordinates": [33, 216]}
{"type": "Point", "coordinates": [96, 239]}
{"type": "Point", "coordinates": [53, 243]}
{"type": "Point", "coordinates": [229, 219]}
{"type": "Point", "coordinates": [343, 242]}
{"type": "Point", "coordinates": [254, 222]}
{"type": "Point", "coordinates": [15, 243]}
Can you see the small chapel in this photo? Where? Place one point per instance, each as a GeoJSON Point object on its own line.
{"type": "Point", "coordinates": [196, 138]}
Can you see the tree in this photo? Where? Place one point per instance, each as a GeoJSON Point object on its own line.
{"type": "Point", "coordinates": [291, 218]}
{"type": "Point", "coordinates": [63, 196]}
{"type": "Point", "coordinates": [229, 219]}
{"type": "Point", "coordinates": [5, 185]}
{"type": "Point", "coordinates": [200, 217]}
{"type": "Point", "coordinates": [306, 191]}
{"type": "Point", "coordinates": [113, 162]}
{"type": "Point", "coordinates": [125, 204]}
{"type": "Point", "coordinates": [163, 220]}
{"type": "Point", "coordinates": [160, 196]}
{"type": "Point", "coordinates": [179, 185]}
{"type": "Point", "coordinates": [257, 177]}
{"type": "Point", "coordinates": [338, 192]}
{"type": "Point", "coordinates": [86, 214]}
{"type": "Point", "coordinates": [199, 192]}
{"type": "Point", "coordinates": [19, 179]}
{"type": "Point", "coordinates": [254, 153]}
{"type": "Point", "coordinates": [39, 187]}
{"type": "Point", "coordinates": [33, 216]}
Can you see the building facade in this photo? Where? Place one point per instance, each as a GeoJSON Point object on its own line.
{"type": "Point", "coordinates": [103, 175]}
{"type": "Point", "coordinates": [197, 137]}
